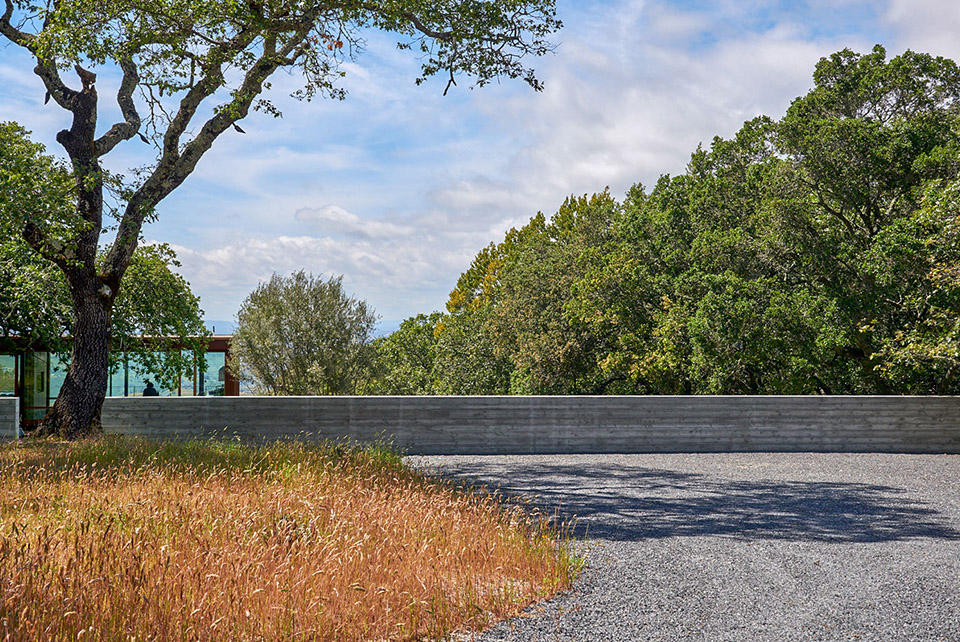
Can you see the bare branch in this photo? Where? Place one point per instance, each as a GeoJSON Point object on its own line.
{"type": "Point", "coordinates": [87, 78]}
{"type": "Point", "coordinates": [450, 82]}
{"type": "Point", "coordinates": [58, 90]}
{"type": "Point", "coordinates": [7, 14]}
{"type": "Point", "coordinates": [131, 125]}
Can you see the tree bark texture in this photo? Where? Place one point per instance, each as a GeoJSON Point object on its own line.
{"type": "Point", "coordinates": [76, 412]}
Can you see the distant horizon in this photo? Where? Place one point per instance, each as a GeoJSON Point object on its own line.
{"type": "Point", "coordinates": [397, 188]}
{"type": "Point", "coordinates": [219, 326]}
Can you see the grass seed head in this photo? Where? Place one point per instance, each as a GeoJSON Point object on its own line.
{"type": "Point", "coordinates": [125, 538]}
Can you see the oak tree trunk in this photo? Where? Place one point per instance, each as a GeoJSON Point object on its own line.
{"type": "Point", "coordinates": [76, 412]}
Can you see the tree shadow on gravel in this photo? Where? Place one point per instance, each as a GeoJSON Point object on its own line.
{"type": "Point", "coordinates": [625, 503]}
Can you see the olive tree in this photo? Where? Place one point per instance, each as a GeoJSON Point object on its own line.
{"type": "Point", "coordinates": [301, 335]}
{"type": "Point", "coordinates": [191, 70]}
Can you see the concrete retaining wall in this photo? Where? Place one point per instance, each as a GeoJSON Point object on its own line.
{"type": "Point", "coordinates": [9, 418]}
{"type": "Point", "coordinates": [518, 425]}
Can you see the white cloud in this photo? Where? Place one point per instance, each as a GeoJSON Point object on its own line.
{"type": "Point", "coordinates": [394, 276]}
{"type": "Point", "coordinates": [628, 108]}
{"type": "Point", "coordinates": [332, 219]}
{"type": "Point", "coordinates": [929, 26]}
{"type": "Point", "coordinates": [627, 98]}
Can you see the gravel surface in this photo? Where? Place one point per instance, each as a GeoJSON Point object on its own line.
{"type": "Point", "coordinates": [752, 546]}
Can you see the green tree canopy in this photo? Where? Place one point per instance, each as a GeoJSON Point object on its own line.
{"type": "Point", "coordinates": [34, 299]}
{"type": "Point", "coordinates": [814, 254]}
{"type": "Point", "coordinates": [405, 358]}
{"type": "Point", "coordinates": [301, 335]}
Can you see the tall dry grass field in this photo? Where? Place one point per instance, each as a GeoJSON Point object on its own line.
{"type": "Point", "coordinates": [125, 539]}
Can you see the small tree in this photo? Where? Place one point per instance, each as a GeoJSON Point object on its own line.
{"type": "Point", "coordinates": [190, 72]}
{"type": "Point", "coordinates": [301, 335]}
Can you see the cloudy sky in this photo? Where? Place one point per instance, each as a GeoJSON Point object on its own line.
{"type": "Point", "coordinates": [397, 187]}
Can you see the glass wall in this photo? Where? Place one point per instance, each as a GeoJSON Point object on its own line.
{"type": "Point", "coordinates": [116, 385]}
{"type": "Point", "coordinates": [210, 382]}
{"type": "Point", "coordinates": [136, 381]}
{"type": "Point", "coordinates": [36, 385]}
{"type": "Point", "coordinates": [188, 384]}
{"type": "Point", "coordinates": [37, 377]}
{"type": "Point", "coordinates": [58, 372]}
{"type": "Point", "coordinates": [129, 380]}
{"type": "Point", "coordinates": [8, 375]}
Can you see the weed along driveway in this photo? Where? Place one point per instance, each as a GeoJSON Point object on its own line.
{"type": "Point", "coordinates": [744, 546]}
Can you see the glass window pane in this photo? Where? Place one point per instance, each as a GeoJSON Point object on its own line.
{"type": "Point", "coordinates": [137, 381]}
{"type": "Point", "coordinates": [115, 387]}
{"type": "Point", "coordinates": [210, 381]}
{"type": "Point", "coordinates": [166, 392]}
{"type": "Point", "coordinates": [35, 385]}
{"type": "Point", "coordinates": [8, 373]}
{"type": "Point", "coordinates": [186, 379]}
{"type": "Point", "coordinates": [138, 378]}
{"type": "Point", "coordinates": [58, 372]}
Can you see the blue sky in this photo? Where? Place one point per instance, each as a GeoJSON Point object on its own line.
{"type": "Point", "coordinates": [397, 187]}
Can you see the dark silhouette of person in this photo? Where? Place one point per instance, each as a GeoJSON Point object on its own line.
{"type": "Point", "coordinates": [150, 391]}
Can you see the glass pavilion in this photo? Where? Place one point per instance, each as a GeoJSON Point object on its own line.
{"type": "Point", "coordinates": [36, 375]}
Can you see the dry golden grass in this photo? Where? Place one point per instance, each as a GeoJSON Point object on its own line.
{"type": "Point", "coordinates": [127, 539]}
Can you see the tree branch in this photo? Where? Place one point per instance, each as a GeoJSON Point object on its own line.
{"type": "Point", "coordinates": [127, 129]}
{"type": "Point", "coordinates": [58, 90]}
{"type": "Point", "coordinates": [174, 166]}
{"type": "Point", "coordinates": [46, 70]}
{"type": "Point", "coordinates": [445, 36]}
{"type": "Point", "coordinates": [418, 24]}
{"type": "Point", "coordinates": [836, 214]}
{"type": "Point", "coordinates": [37, 240]}
{"type": "Point", "coordinates": [239, 107]}
{"type": "Point", "coordinates": [208, 84]}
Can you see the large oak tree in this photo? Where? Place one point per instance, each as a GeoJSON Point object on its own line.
{"type": "Point", "coordinates": [177, 60]}
{"type": "Point", "coordinates": [35, 304]}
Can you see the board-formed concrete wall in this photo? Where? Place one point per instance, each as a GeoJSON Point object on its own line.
{"type": "Point", "coordinates": [572, 424]}
{"type": "Point", "coordinates": [9, 418]}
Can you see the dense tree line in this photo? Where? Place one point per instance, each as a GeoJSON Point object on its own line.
{"type": "Point", "coordinates": [817, 254]}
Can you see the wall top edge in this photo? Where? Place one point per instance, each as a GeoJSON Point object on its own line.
{"type": "Point", "coordinates": [530, 397]}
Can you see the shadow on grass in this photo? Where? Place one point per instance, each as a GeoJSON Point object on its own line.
{"type": "Point", "coordinates": [625, 503]}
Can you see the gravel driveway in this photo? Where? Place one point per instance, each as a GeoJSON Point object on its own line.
{"type": "Point", "coordinates": [744, 546]}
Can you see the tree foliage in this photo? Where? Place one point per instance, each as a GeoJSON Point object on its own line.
{"type": "Point", "coordinates": [35, 302]}
{"type": "Point", "coordinates": [814, 254]}
{"type": "Point", "coordinates": [301, 335]}
{"type": "Point", "coordinates": [190, 71]}
{"type": "Point", "coordinates": [405, 358]}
